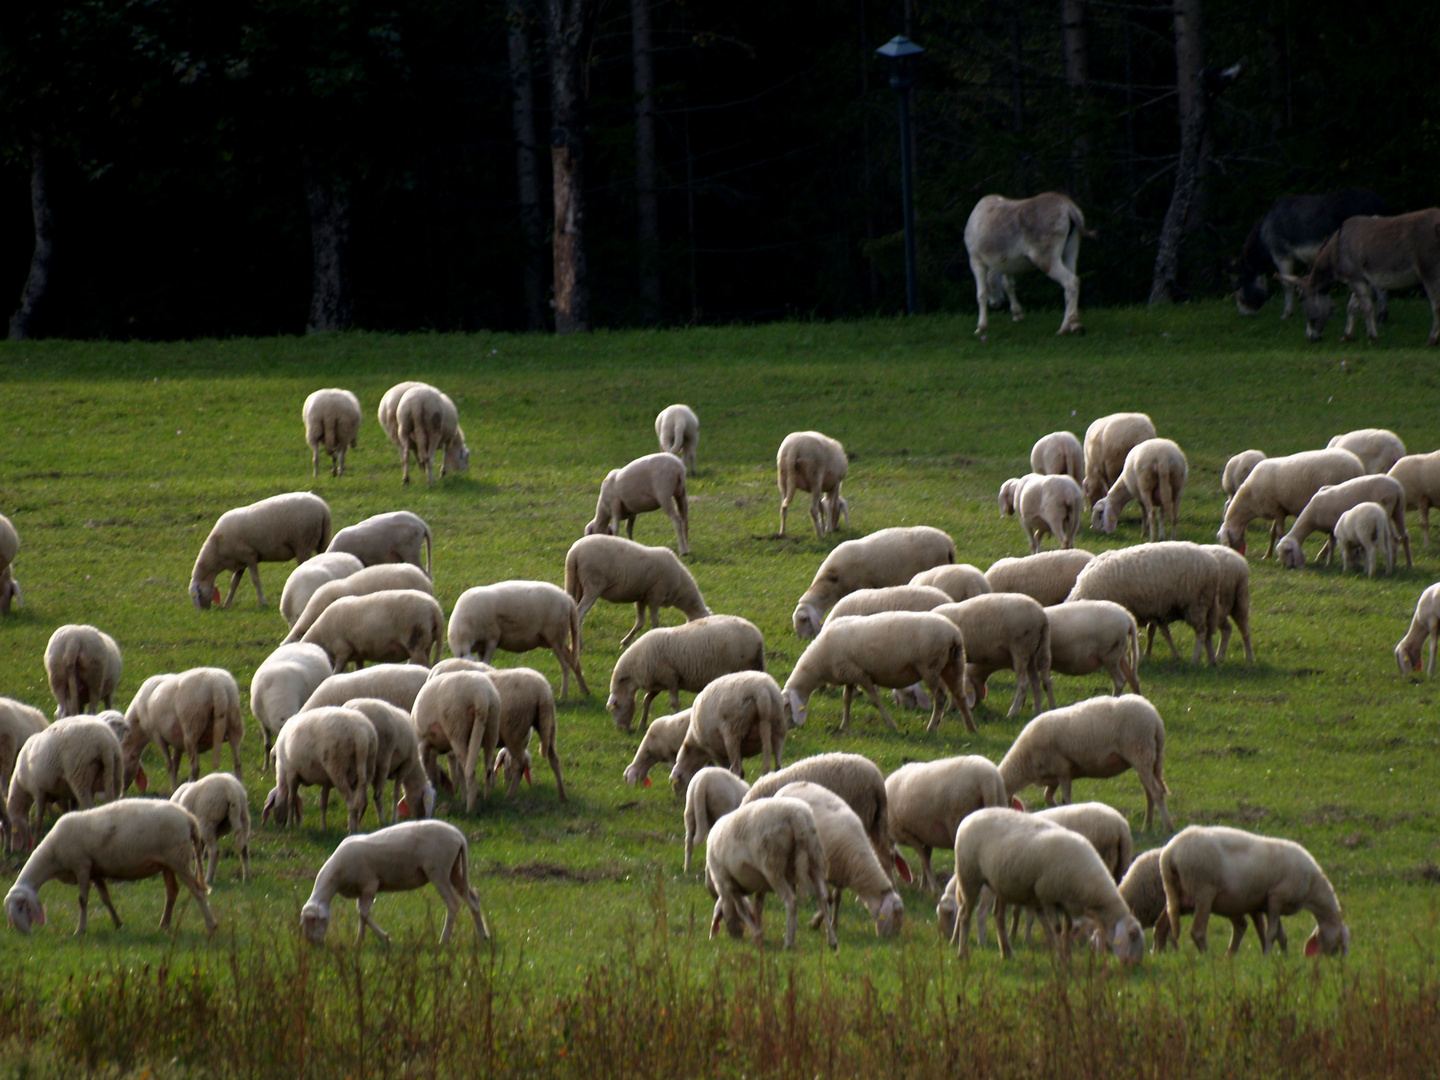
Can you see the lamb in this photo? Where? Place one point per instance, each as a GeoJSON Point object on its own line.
{"type": "Point", "coordinates": [927, 800]}
{"type": "Point", "coordinates": [1058, 454]}
{"type": "Point", "coordinates": [396, 625]}
{"type": "Point", "coordinates": [652, 482]}
{"type": "Point", "coordinates": [604, 567]}
{"type": "Point", "coordinates": [1237, 469]}
{"type": "Point", "coordinates": [277, 529]}
{"type": "Point", "coordinates": [660, 746]}
{"type": "Point", "coordinates": [1107, 443]}
{"type": "Point", "coordinates": [1378, 448]}
{"type": "Point", "coordinates": [427, 424]}
{"type": "Point", "coordinates": [459, 714]}
{"type": "Point", "coordinates": [1419, 475]}
{"type": "Point", "coordinates": [1143, 890]}
{"type": "Point", "coordinates": [396, 537]}
{"type": "Point", "coordinates": [332, 422]}
{"type": "Point", "coordinates": [1278, 488]}
{"type": "Point", "coordinates": [396, 683]}
{"type": "Point", "coordinates": [1159, 583]}
{"type": "Point", "coordinates": [736, 716]}
{"type": "Point", "coordinates": [960, 581]}
{"type": "Point", "coordinates": [397, 758]}
{"type": "Point", "coordinates": [372, 579]}
{"type": "Point", "coordinates": [221, 806]}
{"type": "Point", "coordinates": [518, 616]}
{"type": "Point", "coordinates": [282, 684]}
{"type": "Point", "coordinates": [1049, 504]}
{"type": "Point", "coordinates": [127, 840]}
{"type": "Point", "coordinates": [678, 429]}
{"type": "Point", "coordinates": [770, 846]}
{"type": "Point", "coordinates": [1100, 737]}
{"type": "Point", "coordinates": [1232, 599]}
{"type": "Point", "coordinates": [9, 546]}
{"type": "Point", "coordinates": [1046, 578]}
{"type": "Point", "coordinates": [71, 761]}
{"type": "Point", "coordinates": [309, 576]}
{"type": "Point", "coordinates": [193, 710]}
{"type": "Point", "coordinates": [387, 413]}
{"type": "Point", "coordinates": [888, 557]}
{"type": "Point", "coordinates": [1005, 630]}
{"type": "Point", "coordinates": [810, 461]}
{"type": "Point", "coordinates": [1235, 873]}
{"type": "Point", "coordinates": [1425, 624]}
{"type": "Point", "coordinates": [713, 793]}
{"type": "Point", "coordinates": [892, 649]}
{"type": "Point", "coordinates": [1087, 635]}
{"type": "Point", "coordinates": [330, 747]}
{"type": "Point", "coordinates": [1155, 472]}
{"type": "Point", "coordinates": [526, 704]}
{"type": "Point", "coordinates": [395, 859]}
{"type": "Point", "coordinates": [679, 658]}
{"type": "Point", "coordinates": [83, 665]}
{"type": "Point", "coordinates": [1323, 511]}
{"type": "Point", "coordinates": [890, 598]}
{"type": "Point", "coordinates": [1360, 531]}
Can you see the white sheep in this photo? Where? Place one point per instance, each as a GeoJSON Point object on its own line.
{"type": "Point", "coordinates": [1232, 599]}
{"type": "Point", "coordinates": [1419, 475]}
{"type": "Point", "coordinates": [393, 625]}
{"type": "Point", "coordinates": [459, 714]}
{"type": "Point", "coordinates": [1046, 578]}
{"type": "Point", "coordinates": [713, 793]}
{"type": "Point", "coordinates": [1100, 737]}
{"type": "Point", "coordinates": [72, 761]}
{"type": "Point", "coordinates": [332, 423]}
{"type": "Point", "coordinates": [1278, 488]}
{"type": "Point", "coordinates": [127, 840]}
{"type": "Point", "coordinates": [395, 859]}
{"type": "Point", "coordinates": [191, 711]}
{"type": "Point", "coordinates": [652, 482]}
{"type": "Point", "coordinates": [1087, 635]}
{"type": "Point", "coordinates": [396, 683]}
{"type": "Point", "coordinates": [604, 567]}
{"type": "Point", "coordinates": [1362, 530]}
{"type": "Point", "coordinates": [678, 429]}
{"type": "Point", "coordinates": [1234, 873]}
{"type": "Point", "coordinates": [927, 800]}
{"type": "Point", "coordinates": [309, 576]}
{"type": "Point", "coordinates": [810, 461]}
{"type": "Point", "coordinates": [282, 684]}
{"type": "Point", "coordinates": [396, 537]}
{"type": "Point", "coordinates": [1009, 497]}
{"type": "Point", "coordinates": [222, 808]}
{"type": "Point", "coordinates": [18, 722]}
{"type": "Point", "coordinates": [1049, 504]}
{"type": "Point", "coordinates": [83, 665]}
{"type": "Point", "coordinates": [1107, 442]}
{"type": "Point", "coordinates": [1323, 511]}
{"type": "Point", "coordinates": [660, 746]}
{"type": "Point", "coordinates": [735, 716]}
{"type": "Point", "coordinates": [114, 719]}
{"type": "Point", "coordinates": [9, 546]}
{"type": "Point", "coordinates": [518, 616]}
{"type": "Point", "coordinates": [960, 581]}
{"type": "Point", "coordinates": [277, 529]}
{"type": "Point", "coordinates": [890, 598]}
{"type": "Point", "coordinates": [889, 557]}
{"type": "Point", "coordinates": [1058, 454]}
{"type": "Point", "coordinates": [1237, 469]}
{"type": "Point", "coordinates": [676, 658]}
{"type": "Point", "coordinates": [1155, 472]}
{"type": "Point", "coordinates": [329, 747]}
{"type": "Point", "coordinates": [1378, 448]}
{"type": "Point", "coordinates": [1143, 890]}
{"type": "Point", "coordinates": [388, 409]}
{"type": "Point", "coordinates": [526, 704]}
{"type": "Point", "coordinates": [1425, 625]}
{"type": "Point", "coordinates": [1005, 630]}
{"type": "Point", "coordinates": [372, 579]}
{"type": "Point", "coordinates": [427, 423]}
{"type": "Point", "coordinates": [397, 758]}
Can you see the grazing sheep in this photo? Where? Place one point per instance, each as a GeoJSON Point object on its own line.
{"type": "Point", "coordinates": [277, 529]}
{"type": "Point", "coordinates": [309, 576]}
{"type": "Point", "coordinates": [397, 758]}
{"type": "Point", "coordinates": [372, 579]}
{"type": "Point", "coordinates": [1087, 635]}
{"type": "Point", "coordinates": [660, 746]}
{"type": "Point", "coordinates": [1159, 583]}
{"type": "Point", "coordinates": [1235, 874]}
{"type": "Point", "coordinates": [1107, 443]}
{"type": "Point", "coordinates": [736, 716]}
{"type": "Point", "coordinates": [395, 859]}
{"type": "Point", "coordinates": [396, 537]}
{"type": "Point", "coordinates": [1322, 513]}
{"type": "Point", "coordinates": [1425, 624]}
{"type": "Point", "coordinates": [329, 747]}
{"type": "Point", "coordinates": [1058, 454]}
{"type": "Point", "coordinates": [1360, 531]}
{"type": "Point", "coordinates": [9, 546]}
{"type": "Point", "coordinates": [192, 711]}
{"type": "Point", "coordinates": [1005, 630]}
{"type": "Point", "coordinates": [1049, 504]}
{"type": "Point", "coordinates": [888, 557]}
{"type": "Point", "coordinates": [893, 649]}
{"type": "Point", "coordinates": [518, 616]}
{"type": "Point", "coordinates": [679, 658]}
{"type": "Point", "coordinates": [1419, 475]}
{"type": "Point", "coordinates": [394, 625]}
{"type": "Point", "coordinates": [652, 482]}
{"type": "Point", "coordinates": [427, 424]}
{"type": "Point", "coordinates": [890, 598]}
{"type": "Point", "coordinates": [526, 704]}
{"type": "Point", "coordinates": [1236, 470]}
{"type": "Point", "coordinates": [1378, 448]}
{"type": "Point", "coordinates": [1046, 578]}
{"type": "Point", "coordinates": [396, 683]}
{"type": "Point", "coordinates": [281, 686]}
{"type": "Point", "coordinates": [928, 800]}
{"type": "Point", "coordinates": [810, 461]}
{"type": "Point", "coordinates": [83, 665]}
{"type": "Point", "coordinates": [1098, 738]}
{"type": "Point", "coordinates": [713, 793]}
{"type": "Point", "coordinates": [603, 567]}
{"type": "Point", "coordinates": [386, 414]}
{"type": "Point", "coordinates": [18, 722]}
{"type": "Point", "coordinates": [1009, 497]}
{"type": "Point", "coordinates": [1232, 598]}
{"type": "Point", "coordinates": [960, 581]}
{"type": "Point", "coordinates": [114, 719]}
{"type": "Point", "coordinates": [332, 423]}
{"type": "Point", "coordinates": [769, 846]}
{"type": "Point", "coordinates": [1155, 472]}
{"type": "Point", "coordinates": [70, 761]}
{"type": "Point", "coordinates": [1278, 488]}
{"type": "Point", "coordinates": [1143, 890]}
{"type": "Point", "coordinates": [221, 806]}
{"type": "Point", "coordinates": [127, 840]}
{"type": "Point", "coordinates": [459, 714]}
{"type": "Point", "coordinates": [678, 429]}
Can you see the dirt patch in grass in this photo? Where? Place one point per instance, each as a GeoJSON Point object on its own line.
{"type": "Point", "coordinates": [544, 871]}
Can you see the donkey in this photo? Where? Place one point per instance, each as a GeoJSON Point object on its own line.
{"type": "Point", "coordinates": [1007, 236]}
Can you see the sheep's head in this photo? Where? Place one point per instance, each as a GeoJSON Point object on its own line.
{"type": "Point", "coordinates": [23, 908]}
{"type": "Point", "coordinates": [621, 705]}
{"type": "Point", "coordinates": [1232, 537]}
{"type": "Point", "coordinates": [729, 914]}
{"type": "Point", "coordinates": [1009, 493]}
{"type": "Point", "coordinates": [1292, 555]}
{"type": "Point", "coordinates": [515, 765]}
{"type": "Point", "coordinates": [793, 708]}
{"type": "Point", "coordinates": [1102, 519]}
{"type": "Point", "coordinates": [838, 508]}
{"type": "Point", "coordinates": [1408, 659]}
{"type": "Point", "coordinates": [889, 915]}
{"type": "Point", "coordinates": [947, 914]}
{"type": "Point", "coordinates": [1326, 940]}
{"type": "Point", "coordinates": [276, 805]}
{"type": "Point", "coordinates": [457, 454]}
{"type": "Point", "coordinates": [1126, 940]}
{"type": "Point", "coordinates": [807, 621]}
{"type": "Point", "coordinates": [203, 594]}
{"type": "Point", "coordinates": [687, 764]}
{"type": "Point", "coordinates": [314, 922]}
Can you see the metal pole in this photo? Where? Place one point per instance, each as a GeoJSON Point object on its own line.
{"type": "Point", "coordinates": [902, 87]}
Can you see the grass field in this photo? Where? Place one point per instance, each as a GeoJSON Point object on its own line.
{"type": "Point", "coordinates": [116, 458]}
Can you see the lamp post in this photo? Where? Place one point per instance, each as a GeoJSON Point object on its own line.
{"type": "Point", "coordinates": [900, 49]}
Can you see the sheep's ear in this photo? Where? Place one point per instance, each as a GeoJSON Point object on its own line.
{"type": "Point", "coordinates": [1312, 946]}
{"type": "Point", "coordinates": [141, 780]}
{"type": "Point", "coordinates": [1016, 804]}
{"type": "Point", "coordinates": [528, 780]}
{"type": "Point", "coordinates": [903, 868]}
{"type": "Point", "coordinates": [647, 782]}
{"type": "Point", "coordinates": [715, 922]}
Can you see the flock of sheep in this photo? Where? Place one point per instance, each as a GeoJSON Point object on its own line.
{"type": "Point", "coordinates": [893, 610]}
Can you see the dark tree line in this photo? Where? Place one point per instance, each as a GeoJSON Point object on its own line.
{"type": "Point", "coordinates": [175, 169]}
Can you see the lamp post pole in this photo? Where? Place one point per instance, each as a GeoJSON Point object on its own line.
{"type": "Point", "coordinates": [900, 49]}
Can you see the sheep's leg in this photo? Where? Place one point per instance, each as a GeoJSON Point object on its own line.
{"type": "Point", "coordinates": [1005, 948]}
{"type": "Point", "coordinates": [355, 800]}
{"type": "Point", "coordinates": [817, 515]}
{"type": "Point", "coordinates": [1237, 934]}
{"type": "Point", "coordinates": [1041, 679]}
{"type": "Point", "coordinates": [452, 904]}
{"type": "Point", "coordinates": [1164, 629]}
{"type": "Point", "coordinates": [1272, 924]}
{"type": "Point", "coordinates": [1149, 638]}
{"type": "Point", "coordinates": [1425, 522]}
{"type": "Point", "coordinates": [245, 861]}
{"type": "Point", "coordinates": [1050, 790]}
{"type": "Point", "coordinates": [788, 493]}
{"type": "Point", "coordinates": [212, 853]}
{"type": "Point", "coordinates": [630, 526]}
{"type": "Point", "coordinates": [553, 756]}
{"type": "Point", "coordinates": [1117, 673]}
{"type": "Point", "coordinates": [1277, 530]}
{"type": "Point", "coordinates": [649, 697]}
{"type": "Point", "coordinates": [324, 804]}
{"type": "Point", "coordinates": [792, 910]}
{"type": "Point", "coordinates": [192, 752]}
{"type": "Point", "coordinates": [172, 890]}
{"type": "Point", "coordinates": [571, 661]}
{"type": "Point", "coordinates": [82, 882]}
{"type": "Point", "coordinates": [234, 584]}
{"type": "Point", "coordinates": [635, 630]}
{"type": "Point", "coordinates": [363, 906]}
{"type": "Point", "coordinates": [1016, 311]}
{"type": "Point", "coordinates": [1022, 684]}
{"type": "Point", "coordinates": [868, 686]}
{"type": "Point", "coordinates": [315, 460]}
{"type": "Point", "coordinates": [846, 696]}
{"type": "Point", "coordinates": [104, 892]}
{"type": "Point", "coordinates": [927, 873]}
{"type": "Point", "coordinates": [982, 293]}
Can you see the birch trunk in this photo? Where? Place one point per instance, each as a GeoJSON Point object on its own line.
{"type": "Point", "coordinates": [38, 280]}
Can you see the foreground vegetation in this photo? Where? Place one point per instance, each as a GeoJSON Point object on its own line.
{"type": "Point", "coordinates": [118, 458]}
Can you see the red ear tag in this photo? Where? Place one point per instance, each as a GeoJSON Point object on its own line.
{"type": "Point", "coordinates": [1312, 947]}
{"type": "Point", "coordinates": [404, 808]}
{"type": "Point", "coordinates": [647, 781]}
{"type": "Point", "coordinates": [141, 780]}
{"type": "Point", "coordinates": [1016, 804]}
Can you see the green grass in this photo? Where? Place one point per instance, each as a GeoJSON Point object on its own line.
{"type": "Point", "coordinates": [117, 458]}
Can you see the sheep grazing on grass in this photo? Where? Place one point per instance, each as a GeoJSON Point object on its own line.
{"type": "Point", "coordinates": [18, 722]}
{"type": "Point", "coordinates": [1232, 599]}
{"type": "Point", "coordinates": [332, 424]}
{"type": "Point", "coordinates": [1045, 504]}
{"type": "Point", "coordinates": [678, 429]}
{"type": "Point", "coordinates": [9, 547]}
{"type": "Point", "coordinates": [891, 598]}
{"type": "Point", "coordinates": [427, 424]}
{"type": "Point", "coordinates": [687, 657]}
{"type": "Point", "coordinates": [810, 461]}
{"type": "Point", "coordinates": [397, 758]}
{"type": "Point", "coordinates": [393, 625]}
{"type": "Point", "coordinates": [1098, 738]}
{"type": "Point", "coordinates": [127, 840]}
{"type": "Point", "coordinates": [388, 410]}
{"type": "Point", "coordinates": [396, 683]}
{"type": "Point", "coordinates": [385, 577]}
{"type": "Point", "coordinates": [518, 616]}
{"type": "Point", "coordinates": [395, 859]}
{"type": "Point", "coordinates": [1234, 873]}
{"type": "Point", "coordinates": [1360, 532]}
{"type": "Point", "coordinates": [222, 808]}
{"type": "Point", "coordinates": [282, 684]}
{"type": "Point", "coordinates": [1005, 630]}
{"type": "Point", "coordinates": [459, 714]}
{"type": "Point", "coordinates": [603, 567]}
{"type": "Point", "coordinates": [69, 762]}
{"type": "Point", "coordinates": [309, 576]}
{"type": "Point", "coordinates": [1155, 472]}
{"type": "Point", "coordinates": [1107, 442]}
{"type": "Point", "coordinates": [396, 537]}
{"type": "Point", "coordinates": [1143, 890]}
{"type": "Point", "coordinates": [1378, 448]}
{"type": "Point", "coordinates": [1237, 469]}
{"type": "Point", "coordinates": [277, 529]}
{"type": "Point", "coordinates": [660, 746]}
{"type": "Point", "coordinates": [526, 704]}
{"type": "Point", "coordinates": [960, 581]}
{"type": "Point", "coordinates": [1425, 625]}
{"type": "Point", "coordinates": [652, 482]}
{"type": "Point", "coordinates": [736, 716]}
{"type": "Point", "coordinates": [1322, 514]}
{"type": "Point", "coordinates": [189, 712]}
{"type": "Point", "coordinates": [888, 557]}
{"type": "Point", "coordinates": [1087, 635]}
{"type": "Point", "coordinates": [330, 747]}
{"type": "Point", "coordinates": [1058, 454]}
{"type": "Point", "coordinates": [1159, 583]}
{"type": "Point", "coordinates": [927, 800]}
{"type": "Point", "coordinates": [83, 665]}
{"type": "Point", "coordinates": [713, 793]}
{"type": "Point", "coordinates": [1278, 488]}
{"type": "Point", "coordinates": [1419, 475]}
{"type": "Point", "coordinates": [1046, 578]}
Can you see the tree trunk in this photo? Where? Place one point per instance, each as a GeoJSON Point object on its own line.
{"type": "Point", "coordinates": [1072, 29]}
{"type": "Point", "coordinates": [647, 199]}
{"type": "Point", "coordinates": [527, 167]}
{"type": "Point", "coordinates": [38, 280]}
{"type": "Point", "coordinates": [1017, 68]}
{"type": "Point", "coordinates": [327, 201]}
{"type": "Point", "coordinates": [1277, 48]}
{"type": "Point", "coordinates": [1189, 62]}
{"type": "Point", "coordinates": [567, 30]}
